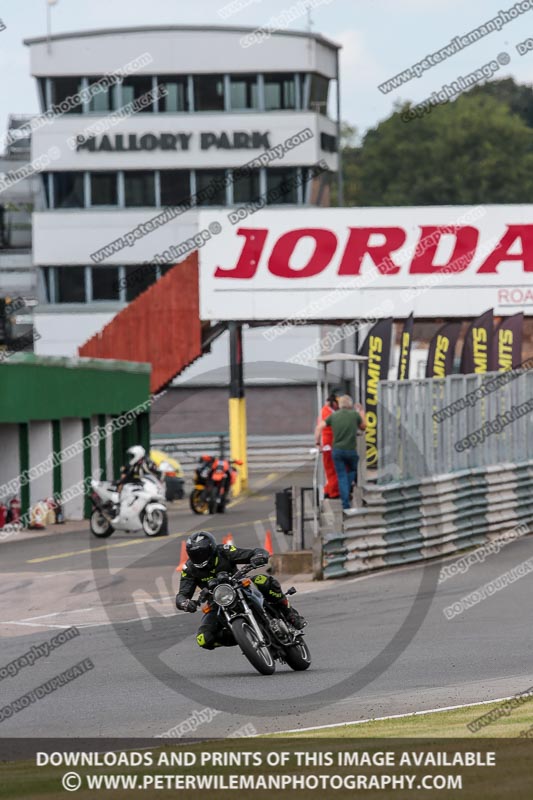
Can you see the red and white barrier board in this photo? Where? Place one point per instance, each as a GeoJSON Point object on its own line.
{"type": "Point", "coordinates": [352, 263]}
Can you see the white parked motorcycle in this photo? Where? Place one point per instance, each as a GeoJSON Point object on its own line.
{"type": "Point", "coordinates": [142, 507]}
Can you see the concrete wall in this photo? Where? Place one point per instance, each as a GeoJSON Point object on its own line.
{"type": "Point", "coordinates": [271, 410]}
{"type": "Point", "coordinates": [179, 49]}
{"type": "Point", "coordinates": [40, 439]}
{"type": "Point", "coordinates": [9, 463]}
{"type": "Point", "coordinates": [61, 334]}
{"type": "Point", "coordinates": [109, 456]}
{"type": "Point", "coordinates": [72, 470]}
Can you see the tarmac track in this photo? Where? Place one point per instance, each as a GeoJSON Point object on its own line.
{"type": "Point", "coordinates": [385, 636]}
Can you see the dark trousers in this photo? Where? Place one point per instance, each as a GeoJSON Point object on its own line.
{"type": "Point", "coordinates": [346, 467]}
{"type": "Point", "coordinates": [212, 633]}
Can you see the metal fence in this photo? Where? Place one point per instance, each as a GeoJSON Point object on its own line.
{"type": "Point", "coordinates": [443, 425]}
{"type": "Point", "coordinates": [265, 453]}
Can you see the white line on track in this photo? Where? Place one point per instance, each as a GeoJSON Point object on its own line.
{"type": "Point", "coordinates": [55, 614]}
{"type": "Point", "coordinates": [394, 716]}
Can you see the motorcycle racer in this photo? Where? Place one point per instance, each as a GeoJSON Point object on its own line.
{"type": "Point", "coordinates": [206, 560]}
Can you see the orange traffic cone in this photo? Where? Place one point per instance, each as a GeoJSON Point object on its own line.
{"type": "Point", "coordinates": [268, 543]}
{"type": "Point", "coordinates": [183, 558]}
{"type": "Point", "coordinates": [228, 539]}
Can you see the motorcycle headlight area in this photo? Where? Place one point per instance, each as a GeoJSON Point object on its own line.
{"type": "Point", "coordinates": [224, 594]}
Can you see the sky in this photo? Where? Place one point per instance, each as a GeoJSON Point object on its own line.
{"type": "Point", "coordinates": [379, 39]}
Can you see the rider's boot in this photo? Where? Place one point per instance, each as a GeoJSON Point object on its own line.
{"type": "Point", "coordinates": [272, 591]}
{"type": "Point", "coordinates": [292, 616]}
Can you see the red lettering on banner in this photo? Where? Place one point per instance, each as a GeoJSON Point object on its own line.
{"type": "Point", "coordinates": [325, 246]}
{"type": "Point", "coordinates": [466, 239]}
{"type": "Point", "coordinates": [357, 247]}
{"type": "Point", "coordinates": [501, 251]}
{"type": "Point", "coordinates": [246, 266]}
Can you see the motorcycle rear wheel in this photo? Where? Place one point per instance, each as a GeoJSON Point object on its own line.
{"type": "Point", "coordinates": [298, 656]}
{"type": "Point", "coordinates": [198, 502]}
{"type": "Point", "coordinates": [100, 526]}
{"type": "Point", "coordinates": [258, 655]}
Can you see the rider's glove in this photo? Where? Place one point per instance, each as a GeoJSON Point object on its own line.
{"type": "Point", "coordinates": [258, 561]}
{"type": "Point", "coordinates": [186, 605]}
{"type": "Point", "coordinates": [204, 594]}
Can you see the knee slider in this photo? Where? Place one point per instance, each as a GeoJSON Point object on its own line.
{"type": "Point", "coordinates": [205, 640]}
{"type": "Point", "coordinates": [259, 580]}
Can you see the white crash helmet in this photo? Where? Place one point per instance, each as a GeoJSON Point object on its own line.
{"type": "Point", "coordinates": [135, 454]}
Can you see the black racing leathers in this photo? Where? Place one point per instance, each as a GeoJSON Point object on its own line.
{"type": "Point", "coordinates": [211, 633]}
{"type": "Point", "coordinates": [137, 471]}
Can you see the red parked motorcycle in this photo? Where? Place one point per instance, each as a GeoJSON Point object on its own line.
{"type": "Point", "coordinates": [213, 479]}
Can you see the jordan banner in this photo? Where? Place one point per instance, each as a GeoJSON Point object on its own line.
{"type": "Point", "coordinates": [376, 347]}
{"type": "Point", "coordinates": [405, 349]}
{"type": "Point", "coordinates": [507, 344]}
{"type": "Point", "coordinates": [477, 346]}
{"type": "Point", "coordinates": [441, 351]}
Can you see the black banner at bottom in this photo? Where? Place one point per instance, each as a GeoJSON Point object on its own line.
{"type": "Point", "coordinates": [272, 767]}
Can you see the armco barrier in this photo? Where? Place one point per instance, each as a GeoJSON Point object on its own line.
{"type": "Point", "coordinates": [265, 453]}
{"type": "Point", "coordinates": [414, 520]}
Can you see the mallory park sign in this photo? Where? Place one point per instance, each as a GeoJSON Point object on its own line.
{"type": "Point", "coordinates": [207, 140]}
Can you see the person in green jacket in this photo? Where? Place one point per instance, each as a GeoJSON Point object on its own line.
{"type": "Point", "coordinates": [344, 423]}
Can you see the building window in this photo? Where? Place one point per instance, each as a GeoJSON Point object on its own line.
{"type": "Point", "coordinates": [243, 92]}
{"type": "Point", "coordinates": [70, 284]}
{"type": "Point", "coordinates": [41, 88]}
{"type": "Point", "coordinates": [164, 268]}
{"type": "Point", "coordinates": [105, 283]}
{"type": "Point", "coordinates": [280, 92]}
{"type": "Point", "coordinates": [62, 90]}
{"type": "Point", "coordinates": [138, 279]}
{"type": "Point", "coordinates": [45, 179]}
{"type": "Point", "coordinates": [133, 87]}
{"type": "Point", "coordinates": [328, 143]}
{"type": "Point", "coordinates": [104, 189]}
{"type": "Point", "coordinates": [175, 186]}
{"type": "Point", "coordinates": [282, 186]}
{"type": "Point", "coordinates": [48, 283]}
{"type": "Point", "coordinates": [68, 190]}
{"type": "Point", "coordinates": [318, 95]}
{"type": "Point", "coordinates": [210, 187]}
{"type": "Point", "coordinates": [246, 188]}
{"type": "Point", "coordinates": [104, 98]}
{"type": "Point", "coordinates": [139, 188]}
{"type": "Point", "coordinates": [176, 98]}
{"type": "Point", "coordinates": [209, 93]}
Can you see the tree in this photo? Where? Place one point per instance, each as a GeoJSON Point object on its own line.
{"type": "Point", "coordinates": [518, 97]}
{"type": "Point", "coordinates": [476, 149]}
{"type": "Point", "coordinates": [351, 158]}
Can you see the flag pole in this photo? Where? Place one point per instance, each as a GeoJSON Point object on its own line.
{"type": "Point", "coordinates": [49, 4]}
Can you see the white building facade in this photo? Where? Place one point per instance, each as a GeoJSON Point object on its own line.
{"type": "Point", "coordinates": [186, 109]}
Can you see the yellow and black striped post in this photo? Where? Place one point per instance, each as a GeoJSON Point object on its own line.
{"type": "Point", "coordinates": [237, 408]}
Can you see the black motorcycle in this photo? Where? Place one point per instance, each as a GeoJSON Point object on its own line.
{"type": "Point", "coordinates": [259, 628]}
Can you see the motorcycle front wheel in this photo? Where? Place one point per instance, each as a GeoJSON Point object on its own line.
{"type": "Point", "coordinates": [198, 502]}
{"type": "Point", "coordinates": [153, 521]}
{"type": "Point", "coordinates": [257, 654]}
{"type": "Point", "coordinates": [298, 656]}
{"type": "Point", "coordinates": [100, 526]}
